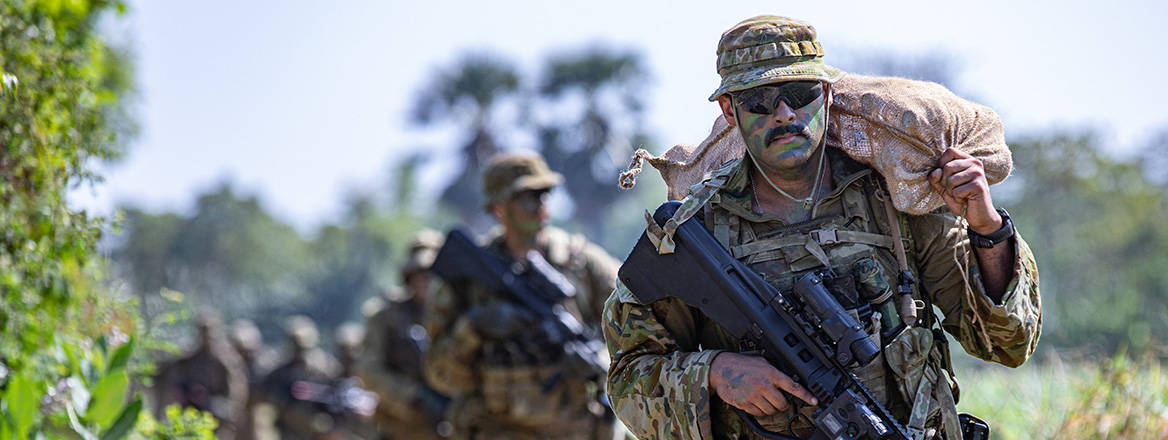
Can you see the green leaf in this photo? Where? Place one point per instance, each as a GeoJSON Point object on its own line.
{"type": "Point", "coordinates": [5, 431]}
{"type": "Point", "coordinates": [125, 422]}
{"type": "Point", "coordinates": [122, 356]}
{"type": "Point", "coordinates": [23, 400]}
{"type": "Point", "coordinates": [108, 398]}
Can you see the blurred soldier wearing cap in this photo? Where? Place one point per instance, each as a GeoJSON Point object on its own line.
{"type": "Point", "coordinates": [246, 339]}
{"type": "Point", "coordinates": [494, 357]}
{"type": "Point", "coordinates": [291, 387]}
{"type": "Point", "coordinates": [210, 378]}
{"type": "Point", "coordinates": [791, 206]}
{"type": "Point", "coordinates": [391, 360]}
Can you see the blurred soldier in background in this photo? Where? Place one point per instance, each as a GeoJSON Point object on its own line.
{"type": "Point", "coordinates": [391, 363]}
{"type": "Point", "coordinates": [294, 386]}
{"type": "Point", "coordinates": [505, 366]}
{"type": "Point", "coordinates": [245, 337]}
{"type": "Point", "coordinates": [211, 378]}
{"type": "Point", "coordinates": [351, 405]}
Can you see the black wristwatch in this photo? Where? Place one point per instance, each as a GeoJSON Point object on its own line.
{"type": "Point", "coordinates": [993, 238]}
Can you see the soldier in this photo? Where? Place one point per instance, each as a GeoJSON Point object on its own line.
{"type": "Point", "coordinates": [211, 378]}
{"type": "Point", "coordinates": [506, 373]}
{"type": "Point", "coordinates": [391, 362]}
{"type": "Point", "coordinates": [792, 205]}
{"type": "Point", "coordinates": [246, 339]}
{"type": "Point", "coordinates": [292, 387]}
{"type": "Point", "coordinates": [352, 404]}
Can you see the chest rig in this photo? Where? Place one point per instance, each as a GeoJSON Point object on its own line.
{"type": "Point", "coordinates": [863, 248]}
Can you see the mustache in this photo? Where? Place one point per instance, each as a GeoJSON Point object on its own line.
{"type": "Point", "coordinates": [780, 131]}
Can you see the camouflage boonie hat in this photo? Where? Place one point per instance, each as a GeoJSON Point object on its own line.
{"type": "Point", "coordinates": [769, 49]}
{"type": "Point", "coordinates": [423, 250]}
{"type": "Point", "coordinates": [510, 173]}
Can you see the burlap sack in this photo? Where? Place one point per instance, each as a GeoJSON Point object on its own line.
{"type": "Point", "coordinates": [899, 127]}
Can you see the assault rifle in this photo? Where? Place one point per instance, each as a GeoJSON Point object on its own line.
{"type": "Point", "coordinates": [342, 397]}
{"type": "Point", "coordinates": [806, 335]}
{"type": "Point", "coordinates": [536, 286]}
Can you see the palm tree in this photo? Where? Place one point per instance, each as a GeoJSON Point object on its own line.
{"type": "Point", "coordinates": [590, 149]}
{"type": "Point", "coordinates": [466, 95]}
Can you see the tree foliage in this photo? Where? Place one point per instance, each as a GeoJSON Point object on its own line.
{"type": "Point", "coordinates": [1096, 224]}
{"type": "Point", "coordinates": [233, 255]}
{"type": "Point", "coordinates": [60, 112]}
{"type": "Point", "coordinates": [589, 147]}
{"type": "Point", "coordinates": [229, 251]}
{"type": "Point", "coordinates": [467, 95]}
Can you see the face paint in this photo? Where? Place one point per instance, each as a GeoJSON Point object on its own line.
{"type": "Point", "coordinates": [762, 132]}
{"type": "Point", "coordinates": [524, 213]}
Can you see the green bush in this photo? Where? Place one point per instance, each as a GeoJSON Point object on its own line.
{"type": "Point", "coordinates": [181, 424]}
{"type": "Point", "coordinates": [66, 346]}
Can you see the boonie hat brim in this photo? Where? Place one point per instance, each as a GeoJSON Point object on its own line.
{"type": "Point", "coordinates": [532, 182]}
{"type": "Point", "coordinates": [812, 69]}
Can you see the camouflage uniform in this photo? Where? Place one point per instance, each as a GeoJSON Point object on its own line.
{"type": "Point", "coordinates": [211, 378]}
{"type": "Point", "coordinates": [662, 352]}
{"type": "Point", "coordinates": [513, 381]}
{"type": "Point", "coordinates": [391, 361]}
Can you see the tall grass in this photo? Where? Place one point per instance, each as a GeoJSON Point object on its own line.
{"type": "Point", "coordinates": [1117, 398]}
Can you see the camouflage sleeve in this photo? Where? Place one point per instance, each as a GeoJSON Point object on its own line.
{"type": "Point", "coordinates": [448, 365]}
{"type": "Point", "coordinates": [1005, 333]}
{"type": "Point", "coordinates": [397, 390]}
{"type": "Point", "coordinates": [659, 386]}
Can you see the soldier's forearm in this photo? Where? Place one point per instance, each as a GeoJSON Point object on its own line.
{"type": "Point", "coordinates": [997, 268]}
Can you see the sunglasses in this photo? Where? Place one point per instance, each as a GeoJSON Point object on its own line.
{"type": "Point", "coordinates": [530, 200]}
{"type": "Point", "coordinates": [764, 99]}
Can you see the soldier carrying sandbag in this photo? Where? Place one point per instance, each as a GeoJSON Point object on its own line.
{"type": "Point", "coordinates": [879, 187]}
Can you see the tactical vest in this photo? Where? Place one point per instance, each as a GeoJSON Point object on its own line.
{"type": "Point", "coordinates": [527, 387]}
{"type": "Point", "coordinates": [858, 243]}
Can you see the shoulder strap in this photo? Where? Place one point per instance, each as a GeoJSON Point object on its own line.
{"type": "Point", "coordinates": [906, 306]}
{"type": "Point", "coordinates": [662, 236]}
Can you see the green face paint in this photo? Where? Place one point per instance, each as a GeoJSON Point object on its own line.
{"type": "Point", "coordinates": [525, 212]}
{"type": "Point", "coordinates": [783, 149]}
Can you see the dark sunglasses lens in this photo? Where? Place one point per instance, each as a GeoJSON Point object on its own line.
{"type": "Point", "coordinates": [755, 101]}
{"type": "Point", "coordinates": [763, 100]}
{"type": "Point", "coordinates": [800, 93]}
{"type": "Point", "coordinates": [531, 199]}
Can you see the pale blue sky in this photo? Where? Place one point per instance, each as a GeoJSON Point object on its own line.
{"type": "Point", "coordinates": [299, 101]}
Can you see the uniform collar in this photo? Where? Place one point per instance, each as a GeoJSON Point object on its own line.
{"type": "Point", "coordinates": [736, 194]}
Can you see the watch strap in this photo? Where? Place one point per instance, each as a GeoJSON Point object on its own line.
{"type": "Point", "coordinates": [990, 240]}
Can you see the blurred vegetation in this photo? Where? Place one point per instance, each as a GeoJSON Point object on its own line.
{"type": "Point", "coordinates": [69, 354]}
{"type": "Point", "coordinates": [1096, 223]}
{"type": "Point", "coordinates": [590, 146]}
{"type": "Point", "coordinates": [1115, 399]}
{"type": "Point", "coordinates": [180, 424]}
{"type": "Point", "coordinates": [468, 96]}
